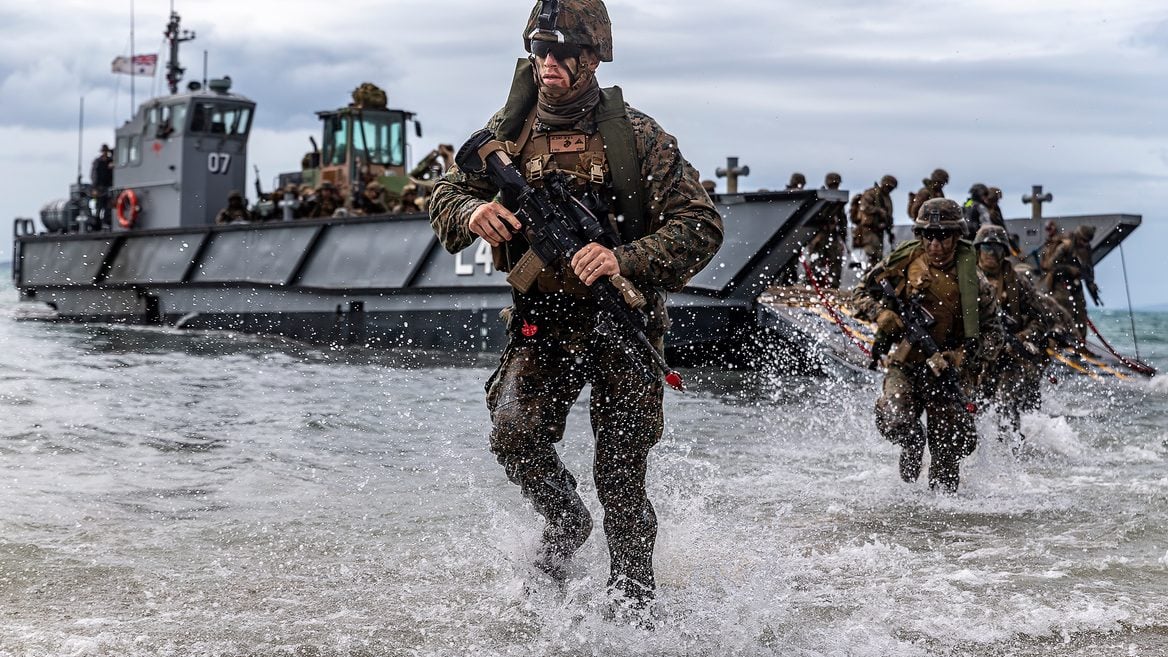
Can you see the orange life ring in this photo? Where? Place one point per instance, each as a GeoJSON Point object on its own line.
{"type": "Point", "coordinates": [127, 208]}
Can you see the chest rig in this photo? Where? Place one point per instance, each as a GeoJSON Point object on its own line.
{"type": "Point", "coordinates": [578, 155]}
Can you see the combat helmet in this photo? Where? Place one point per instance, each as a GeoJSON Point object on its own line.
{"type": "Point", "coordinates": [939, 176]}
{"type": "Point", "coordinates": [797, 181]}
{"type": "Point", "coordinates": [832, 178]}
{"type": "Point", "coordinates": [888, 181]}
{"type": "Point", "coordinates": [939, 214]}
{"type": "Point", "coordinates": [978, 191]}
{"type": "Point", "coordinates": [991, 234]}
{"type": "Point", "coordinates": [574, 22]}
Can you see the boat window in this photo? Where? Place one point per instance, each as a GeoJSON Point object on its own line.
{"type": "Point", "coordinates": [335, 140]}
{"type": "Point", "coordinates": [122, 151]}
{"type": "Point", "coordinates": [220, 119]}
{"type": "Point", "coordinates": [135, 149]}
{"type": "Point", "coordinates": [380, 137]}
{"type": "Point", "coordinates": [173, 118]}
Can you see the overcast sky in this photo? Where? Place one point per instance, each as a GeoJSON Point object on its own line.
{"type": "Point", "coordinates": [1070, 94]}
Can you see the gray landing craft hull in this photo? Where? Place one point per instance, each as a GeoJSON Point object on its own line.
{"type": "Point", "coordinates": [380, 281]}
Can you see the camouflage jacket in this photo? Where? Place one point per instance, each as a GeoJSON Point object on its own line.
{"type": "Point", "coordinates": [1067, 264]}
{"type": "Point", "coordinates": [875, 210]}
{"type": "Point", "coordinates": [1021, 309]}
{"type": "Point", "coordinates": [684, 229]}
{"type": "Point", "coordinates": [974, 321]}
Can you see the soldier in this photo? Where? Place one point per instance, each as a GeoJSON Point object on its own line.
{"type": "Point", "coordinates": [1013, 381]}
{"type": "Point", "coordinates": [874, 218]}
{"type": "Point", "coordinates": [328, 201]}
{"type": "Point", "coordinates": [1053, 237]}
{"type": "Point", "coordinates": [934, 187]}
{"type": "Point", "coordinates": [938, 271]}
{"type": "Point", "coordinates": [372, 199]}
{"type": "Point", "coordinates": [670, 231]}
{"type": "Point", "coordinates": [993, 202]}
{"type": "Point", "coordinates": [1069, 266]}
{"type": "Point", "coordinates": [710, 186]}
{"type": "Point", "coordinates": [236, 210]}
{"type": "Point", "coordinates": [306, 209]}
{"type": "Point", "coordinates": [975, 211]}
{"type": "Point", "coordinates": [101, 178]}
{"type": "Point", "coordinates": [798, 181]}
{"type": "Point", "coordinates": [409, 201]}
{"type": "Point", "coordinates": [829, 244]}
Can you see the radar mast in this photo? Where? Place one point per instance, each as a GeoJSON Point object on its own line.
{"type": "Point", "coordinates": [174, 37]}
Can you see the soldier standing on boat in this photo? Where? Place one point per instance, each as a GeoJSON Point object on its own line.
{"type": "Point", "coordinates": [629, 167]}
{"type": "Point", "coordinates": [937, 272]}
{"type": "Point", "coordinates": [101, 178]}
{"type": "Point", "coordinates": [1069, 266]}
{"type": "Point", "coordinates": [1014, 380]}
{"type": "Point", "coordinates": [934, 187]}
{"type": "Point", "coordinates": [874, 219]}
{"type": "Point", "coordinates": [328, 201]}
{"type": "Point", "coordinates": [975, 211]}
{"type": "Point", "coordinates": [236, 211]}
{"type": "Point", "coordinates": [798, 181]}
{"type": "Point", "coordinates": [829, 244]}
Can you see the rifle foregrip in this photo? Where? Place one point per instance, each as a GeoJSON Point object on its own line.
{"type": "Point", "coordinates": [631, 294]}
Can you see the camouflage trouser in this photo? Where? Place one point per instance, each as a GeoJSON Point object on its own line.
{"type": "Point", "coordinates": [1070, 297]}
{"type": "Point", "coordinates": [529, 396]}
{"type": "Point", "coordinates": [1017, 388]}
{"type": "Point", "coordinates": [910, 391]}
{"type": "Point", "coordinates": [827, 260]}
{"type": "Point", "coordinates": [873, 244]}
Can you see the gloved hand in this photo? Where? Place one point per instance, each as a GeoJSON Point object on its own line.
{"type": "Point", "coordinates": [888, 322]}
{"type": "Point", "coordinates": [937, 363]}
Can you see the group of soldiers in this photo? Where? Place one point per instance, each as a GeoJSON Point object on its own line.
{"type": "Point", "coordinates": [327, 200]}
{"type": "Point", "coordinates": [963, 318]}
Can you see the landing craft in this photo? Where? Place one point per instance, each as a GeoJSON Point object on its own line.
{"type": "Point", "coordinates": [156, 257]}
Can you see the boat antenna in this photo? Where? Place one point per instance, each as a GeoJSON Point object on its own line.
{"type": "Point", "coordinates": [80, 137]}
{"type": "Point", "coordinates": [1130, 314]}
{"type": "Point", "coordinates": [204, 69]}
{"type": "Point", "coordinates": [132, 76]}
{"type": "Point", "coordinates": [175, 37]}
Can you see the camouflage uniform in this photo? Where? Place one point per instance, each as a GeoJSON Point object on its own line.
{"type": "Point", "coordinates": [966, 328]}
{"type": "Point", "coordinates": [669, 235]}
{"type": "Point", "coordinates": [827, 247]}
{"type": "Point", "coordinates": [875, 219]}
{"type": "Point", "coordinates": [1069, 266]}
{"type": "Point", "coordinates": [1013, 381]}
{"type": "Point", "coordinates": [236, 210]}
{"type": "Point", "coordinates": [328, 201]}
{"type": "Point", "coordinates": [934, 187]}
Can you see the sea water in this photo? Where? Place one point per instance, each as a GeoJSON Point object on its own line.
{"type": "Point", "coordinates": [173, 493]}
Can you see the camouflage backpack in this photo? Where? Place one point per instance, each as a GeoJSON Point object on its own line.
{"type": "Point", "coordinates": [369, 96]}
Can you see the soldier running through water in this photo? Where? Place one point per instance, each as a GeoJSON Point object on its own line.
{"type": "Point", "coordinates": [558, 119]}
{"type": "Point", "coordinates": [1013, 381]}
{"type": "Point", "coordinates": [939, 272]}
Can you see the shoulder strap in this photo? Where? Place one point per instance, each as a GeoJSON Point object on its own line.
{"type": "Point", "coordinates": [520, 102]}
{"type": "Point", "coordinates": [621, 148]}
{"type": "Point", "coordinates": [967, 285]}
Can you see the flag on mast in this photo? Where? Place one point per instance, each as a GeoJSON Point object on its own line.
{"type": "Point", "coordinates": [139, 65]}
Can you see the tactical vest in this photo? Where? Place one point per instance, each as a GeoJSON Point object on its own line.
{"type": "Point", "coordinates": [607, 158]}
{"type": "Point", "coordinates": [940, 295]}
{"type": "Point", "coordinates": [967, 283]}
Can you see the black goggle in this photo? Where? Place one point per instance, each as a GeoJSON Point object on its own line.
{"type": "Point", "coordinates": [935, 235]}
{"type": "Point", "coordinates": [992, 247]}
{"type": "Point", "coordinates": [561, 51]}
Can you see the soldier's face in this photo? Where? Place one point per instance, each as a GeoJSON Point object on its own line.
{"type": "Point", "coordinates": [939, 246]}
{"type": "Point", "coordinates": [560, 65]}
{"type": "Point", "coordinates": [989, 257]}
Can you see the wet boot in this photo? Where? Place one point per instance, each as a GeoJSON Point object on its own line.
{"type": "Point", "coordinates": [911, 453]}
{"type": "Point", "coordinates": [944, 475]}
{"type": "Point", "coordinates": [554, 497]}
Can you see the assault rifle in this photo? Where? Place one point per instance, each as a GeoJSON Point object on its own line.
{"type": "Point", "coordinates": [561, 225]}
{"type": "Point", "coordinates": [917, 322]}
